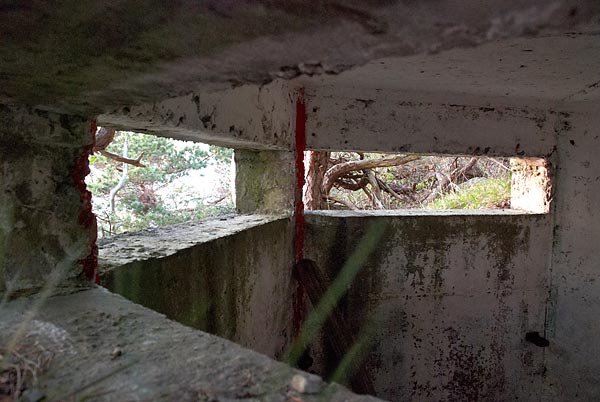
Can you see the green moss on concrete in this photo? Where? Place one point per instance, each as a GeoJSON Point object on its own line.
{"type": "Point", "coordinates": [40, 229]}
{"type": "Point", "coordinates": [420, 246]}
{"type": "Point", "coordinates": [265, 181]}
{"type": "Point", "coordinates": [211, 286]}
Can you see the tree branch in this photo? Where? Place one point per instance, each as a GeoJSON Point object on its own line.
{"type": "Point", "coordinates": [377, 198]}
{"type": "Point", "coordinates": [347, 204]}
{"type": "Point", "coordinates": [343, 168]}
{"type": "Point", "coordinates": [388, 189]}
{"type": "Point", "coordinates": [444, 180]}
{"type": "Point", "coordinates": [121, 182]}
{"type": "Point", "coordinates": [353, 186]}
{"type": "Point", "coordinates": [317, 165]}
{"type": "Point", "coordinates": [135, 162]}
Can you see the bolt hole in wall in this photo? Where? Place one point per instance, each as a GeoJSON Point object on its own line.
{"type": "Point", "coordinates": [370, 181]}
{"type": "Point", "coordinates": [140, 181]}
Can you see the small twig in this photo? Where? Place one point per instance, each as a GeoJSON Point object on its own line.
{"type": "Point", "coordinates": [123, 179]}
{"type": "Point", "coordinates": [499, 164]}
{"type": "Point", "coordinates": [134, 162]}
{"type": "Point", "coordinates": [377, 198]}
{"type": "Point", "coordinates": [343, 202]}
{"type": "Point", "coordinates": [388, 189]}
{"type": "Point", "coordinates": [368, 193]}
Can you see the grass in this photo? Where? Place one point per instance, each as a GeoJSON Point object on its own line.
{"type": "Point", "coordinates": [487, 193]}
{"type": "Point", "coordinates": [328, 303]}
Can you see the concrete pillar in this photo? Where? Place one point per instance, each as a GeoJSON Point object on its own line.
{"type": "Point", "coordinates": [530, 189]}
{"type": "Point", "coordinates": [265, 181]}
{"type": "Point", "coordinates": [47, 230]}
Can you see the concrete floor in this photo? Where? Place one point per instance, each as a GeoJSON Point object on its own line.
{"type": "Point", "coordinates": [105, 348]}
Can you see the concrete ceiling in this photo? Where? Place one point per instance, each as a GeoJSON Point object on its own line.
{"type": "Point", "coordinates": [88, 57]}
{"type": "Point", "coordinates": [553, 68]}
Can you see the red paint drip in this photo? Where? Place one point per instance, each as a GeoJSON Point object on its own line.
{"type": "Point", "coordinates": [299, 301]}
{"type": "Point", "coordinates": [87, 219]}
{"type": "Point", "coordinates": [300, 147]}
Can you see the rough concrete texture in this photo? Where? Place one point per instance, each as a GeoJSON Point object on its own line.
{"type": "Point", "coordinates": [250, 116]}
{"type": "Point", "coordinates": [89, 57]}
{"type": "Point", "coordinates": [524, 97]}
{"type": "Point", "coordinates": [503, 92]}
{"type": "Point", "coordinates": [163, 242]}
{"type": "Point", "coordinates": [572, 324]}
{"type": "Point", "coordinates": [105, 348]}
{"type": "Point", "coordinates": [525, 71]}
{"type": "Point", "coordinates": [531, 187]}
{"type": "Point", "coordinates": [503, 98]}
{"type": "Point", "coordinates": [380, 121]}
{"type": "Point", "coordinates": [264, 181]}
{"type": "Point", "coordinates": [228, 277]}
{"type": "Point", "coordinates": [446, 301]}
{"type": "Point", "coordinates": [42, 236]}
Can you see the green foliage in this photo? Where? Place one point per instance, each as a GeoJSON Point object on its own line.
{"type": "Point", "coordinates": [162, 216]}
{"type": "Point", "coordinates": [424, 184]}
{"type": "Point", "coordinates": [163, 162]}
{"type": "Point", "coordinates": [220, 154]}
{"type": "Point", "coordinates": [485, 193]}
{"type": "Point", "coordinates": [141, 203]}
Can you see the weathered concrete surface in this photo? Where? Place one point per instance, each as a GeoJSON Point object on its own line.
{"type": "Point", "coordinates": [502, 94]}
{"type": "Point", "coordinates": [250, 116]}
{"type": "Point", "coordinates": [446, 299]}
{"type": "Point", "coordinates": [43, 232]}
{"type": "Point", "coordinates": [166, 241]}
{"type": "Point", "coordinates": [265, 181]}
{"type": "Point", "coordinates": [531, 186]}
{"type": "Point", "coordinates": [525, 71]}
{"type": "Point", "coordinates": [105, 348]}
{"type": "Point", "coordinates": [501, 98]}
{"type": "Point", "coordinates": [228, 277]}
{"type": "Point", "coordinates": [573, 327]}
{"type": "Point", "coordinates": [363, 120]}
{"type": "Point", "coordinates": [90, 57]}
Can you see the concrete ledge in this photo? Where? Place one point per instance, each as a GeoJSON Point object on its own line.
{"type": "Point", "coordinates": [418, 212]}
{"type": "Point", "coordinates": [230, 277]}
{"type": "Point", "coordinates": [105, 348]}
{"type": "Point", "coordinates": [116, 251]}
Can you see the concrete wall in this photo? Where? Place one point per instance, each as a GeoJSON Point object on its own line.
{"type": "Point", "coordinates": [264, 181]}
{"type": "Point", "coordinates": [249, 116]}
{"type": "Point", "coordinates": [573, 358]}
{"type": "Point", "coordinates": [46, 226]}
{"type": "Point", "coordinates": [448, 300]}
{"type": "Point", "coordinates": [229, 277]}
{"type": "Point", "coordinates": [366, 119]}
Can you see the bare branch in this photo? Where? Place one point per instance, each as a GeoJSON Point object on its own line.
{"type": "Point", "coordinates": [347, 204]}
{"type": "Point", "coordinates": [445, 180]}
{"type": "Point", "coordinates": [104, 136]}
{"type": "Point", "coordinates": [377, 198]}
{"type": "Point", "coordinates": [388, 189]}
{"type": "Point", "coordinates": [135, 162]}
{"type": "Point", "coordinates": [343, 168]}
{"type": "Point", "coordinates": [317, 166]}
{"type": "Point", "coordinates": [354, 185]}
{"type": "Point", "coordinates": [123, 179]}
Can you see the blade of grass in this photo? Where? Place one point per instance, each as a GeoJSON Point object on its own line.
{"type": "Point", "coordinates": [338, 288]}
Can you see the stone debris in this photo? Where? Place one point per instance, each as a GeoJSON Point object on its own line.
{"type": "Point", "coordinates": [306, 384]}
